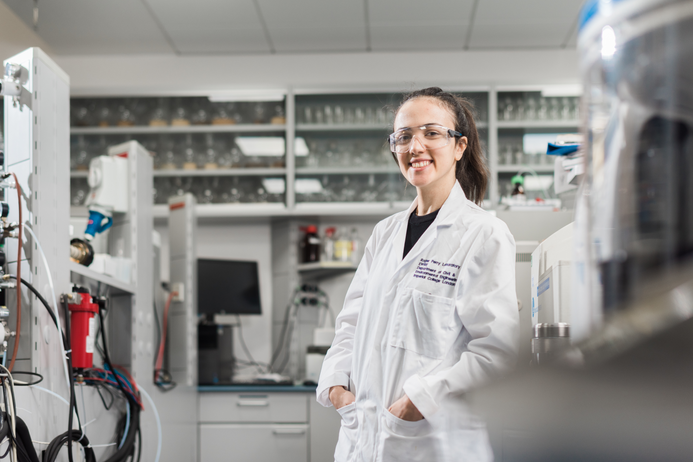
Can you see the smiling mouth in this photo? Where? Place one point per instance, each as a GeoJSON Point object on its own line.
{"type": "Point", "coordinates": [420, 163]}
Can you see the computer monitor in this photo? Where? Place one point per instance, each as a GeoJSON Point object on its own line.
{"type": "Point", "coordinates": [227, 287]}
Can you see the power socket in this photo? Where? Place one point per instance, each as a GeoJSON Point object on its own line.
{"type": "Point", "coordinates": [178, 287]}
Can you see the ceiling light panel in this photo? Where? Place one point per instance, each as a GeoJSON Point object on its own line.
{"type": "Point", "coordinates": [95, 27]}
{"type": "Point", "coordinates": [212, 26]}
{"type": "Point", "coordinates": [523, 24]}
{"type": "Point", "coordinates": [315, 25]}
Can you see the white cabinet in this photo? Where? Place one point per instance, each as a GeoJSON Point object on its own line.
{"type": "Point", "coordinates": [253, 442]}
{"type": "Point", "coordinates": [254, 427]}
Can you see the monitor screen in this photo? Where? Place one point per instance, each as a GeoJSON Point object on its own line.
{"type": "Point", "coordinates": [227, 286]}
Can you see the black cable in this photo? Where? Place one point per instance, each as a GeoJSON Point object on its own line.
{"type": "Point", "coordinates": [25, 440]}
{"type": "Point", "coordinates": [245, 347]}
{"type": "Point", "coordinates": [53, 449]}
{"type": "Point", "coordinates": [124, 451]}
{"type": "Point", "coordinates": [43, 301]}
{"type": "Point", "coordinates": [139, 445]}
{"type": "Point", "coordinates": [98, 387]}
{"type": "Point", "coordinates": [34, 374]}
{"type": "Point", "coordinates": [158, 328]}
{"type": "Point", "coordinates": [73, 404]}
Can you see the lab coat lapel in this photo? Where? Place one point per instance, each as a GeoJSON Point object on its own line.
{"type": "Point", "coordinates": [447, 215]}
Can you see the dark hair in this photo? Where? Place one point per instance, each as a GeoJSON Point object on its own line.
{"type": "Point", "coordinates": [471, 171]}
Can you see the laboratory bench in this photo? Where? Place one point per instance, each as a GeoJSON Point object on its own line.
{"type": "Point", "coordinates": [265, 423]}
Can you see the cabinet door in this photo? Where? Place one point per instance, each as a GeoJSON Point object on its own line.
{"type": "Point", "coordinates": [253, 407]}
{"type": "Point", "coordinates": [253, 442]}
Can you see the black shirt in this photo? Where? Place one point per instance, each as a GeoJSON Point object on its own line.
{"type": "Point", "coordinates": [416, 227]}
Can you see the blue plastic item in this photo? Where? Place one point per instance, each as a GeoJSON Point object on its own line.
{"type": "Point", "coordinates": [96, 224]}
{"type": "Point", "coordinates": [592, 8]}
{"type": "Point", "coordinates": [561, 149]}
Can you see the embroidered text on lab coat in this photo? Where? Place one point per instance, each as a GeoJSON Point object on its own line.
{"type": "Point", "coordinates": [435, 271]}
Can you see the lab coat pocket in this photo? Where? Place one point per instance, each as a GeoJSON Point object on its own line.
{"type": "Point", "coordinates": [427, 324]}
{"type": "Point", "coordinates": [347, 433]}
{"type": "Point", "coordinates": [410, 441]}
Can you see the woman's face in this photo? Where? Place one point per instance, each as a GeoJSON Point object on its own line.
{"type": "Point", "coordinates": [428, 169]}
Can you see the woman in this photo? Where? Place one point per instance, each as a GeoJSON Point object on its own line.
{"type": "Point", "coordinates": [432, 310]}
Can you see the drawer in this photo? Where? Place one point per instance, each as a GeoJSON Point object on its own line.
{"type": "Point", "coordinates": [253, 442]}
{"type": "Point", "coordinates": [253, 407]}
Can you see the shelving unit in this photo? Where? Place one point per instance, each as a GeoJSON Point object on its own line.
{"type": "Point", "coordinates": [76, 268]}
{"type": "Point", "coordinates": [346, 139]}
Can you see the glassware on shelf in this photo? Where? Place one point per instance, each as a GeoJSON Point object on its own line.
{"type": "Point", "coordinates": [369, 193]}
{"type": "Point", "coordinates": [359, 116]}
{"type": "Point", "coordinates": [125, 116]}
{"type": "Point", "coordinates": [159, 116]}
{"type": "Point", "coordinates": [531, 108]}
{"type": "Point", "coordinates": [506, 109]}
{"type": "Point", "coordinates": [104, 114]}
{"type": "Point", "coordinates": [80, 156]}
{"type": "Point", "coordinates": [211, 156]}
{"type": "Point", "coordinates": [166, 157]}
{"type": "Point", "coordinates": [259, 111]}
{"type": "Point", "coordinates": [200, 114]}
{"type": "Point", "coordinates": [543, 109]}
{"type": "Point", "coordinates": [189, 155]}
{"type": "Point", "coordinates": [327, 113]}
{"type": "Point", "coordinates": [329, 158]}
{"type": "Point", "coordinates": [78, 191]}
{"type": "Point", "coordinates": [279, 118]}
{"type": "Point", "coordinates": [231, 192]}
{"type": "Point", "coordinates": [307, 115]}
{"type": "Point", "coordinates": [222, 115]}
{"type": "Point", "coordinates": [338, 115]}
{"type": "Point", "coordinates": [81, 113]}
{"type": "Point", "coordinates": [179, 115]}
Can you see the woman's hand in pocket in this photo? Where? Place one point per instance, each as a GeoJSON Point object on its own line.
{"type": "Point", "coordinates": [340, 397]}
{"type": "Point", "coordinates": [404, 409]}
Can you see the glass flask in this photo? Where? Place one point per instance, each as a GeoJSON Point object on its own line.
{"type": "Point", "coordinates": [211, 156]}
{"type": "Point", "coordinates": [159, 116]}
{"type": "Point", "coordinates": [200, 114]}
{"type": "Point", "coordinates": [279, 118]}
{"type": "Point", "coordinates": [179, 115]}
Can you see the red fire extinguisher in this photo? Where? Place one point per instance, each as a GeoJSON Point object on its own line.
{"type": "Point", "coordinates": [83, 330]}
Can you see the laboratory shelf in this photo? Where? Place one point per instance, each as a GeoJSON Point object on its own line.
{"type": "Point", "coordinates": [204, 172]}
{"type": "Point", "coordinates": [342, 127]}
{"type": "Point", "coordinates": [383, 209]}
{"type": "Point", "coordinates": [322, 269]}
{"type": "Point", "coordinates": [221, 172]}
{"type": "Point", "coordinates": [354, 127]}
{"type": "Point", "coordinates": [537, 124]}
{"type": "Point", "coordinates": [517, 168]}
{"type": "Point", "coordinates": [256, 388]}
{"type": "Point", "coordinates": [144, 130]}
{"type": "Point", "coordinates": [345, 170]}
{"type": "Point", "coordinates": [84, 271]}
{"type": "Point", "coordinates": [229, 210]}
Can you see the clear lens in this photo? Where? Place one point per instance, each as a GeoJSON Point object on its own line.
{"type": "Point", "coordinates": [430, 136]}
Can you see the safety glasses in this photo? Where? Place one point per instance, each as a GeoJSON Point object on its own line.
{"type": "Point", "coordinates": [432, 136]}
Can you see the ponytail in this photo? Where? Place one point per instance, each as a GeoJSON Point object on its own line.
{"type": "Point", "coordinates": [471, 171]}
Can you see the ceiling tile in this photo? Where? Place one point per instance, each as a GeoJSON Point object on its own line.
{"type": "Point", "coordinates": [312, 13]}
{"type": "Point", "coordinates": [89, 27]}
{"type": "Point", "coordinates": [212, 26]}
{"type": "Point", "coordinates": [525, 24]}
{"type": "Point", "coordinates": [314, 39]}
{"type": "Point", "coordinates": [402, 13]}
{"type": "Point", "coordinates": [411, 37]}
{"type": "Point", "coordinates": [237, 40]}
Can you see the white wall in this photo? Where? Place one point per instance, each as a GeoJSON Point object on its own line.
{"type": "Point", "coordinates": [237, 241]}
{"type": "Point", "coordinates": [163, 74]}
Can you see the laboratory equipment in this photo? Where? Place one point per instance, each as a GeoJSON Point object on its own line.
{"type": "Point", "coordinates": [108, 178]}
{"type": "Point", "coordinates": [551, 289]}
{"type": "Point", "coordinates": [310, 245]}
{"type": "Point", "coordinates": [227, 287]}
{"type": "Point", "coordinates": [636, 63]}
{"type": "Point", "coordinates": [322, 340]}
{"type": "Point", "coordinates": [82, 329]}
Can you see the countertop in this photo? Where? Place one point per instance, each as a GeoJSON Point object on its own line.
{"type": "Point", "coordinates": [256, 388]}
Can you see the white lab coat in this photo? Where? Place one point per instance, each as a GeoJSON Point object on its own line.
{"type": "Point", "coordinates": [432, 325]}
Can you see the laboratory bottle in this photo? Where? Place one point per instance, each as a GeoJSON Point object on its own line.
{"type": "Point", "coordinates": [310, 245]}
{"type": "Point", "coordinates": [328, 244]}
{"type": "Point", "coordinates": [518, 186]}
{"type": "Point", "coordinates": [356, 244]}
{"type": "Point", "coordinates": [342, 247]}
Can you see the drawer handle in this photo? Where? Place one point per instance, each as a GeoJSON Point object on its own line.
{"type": "Point", "coordinates": [289, 431]}
{"type": "Point", "coordinates": [253, 403]}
